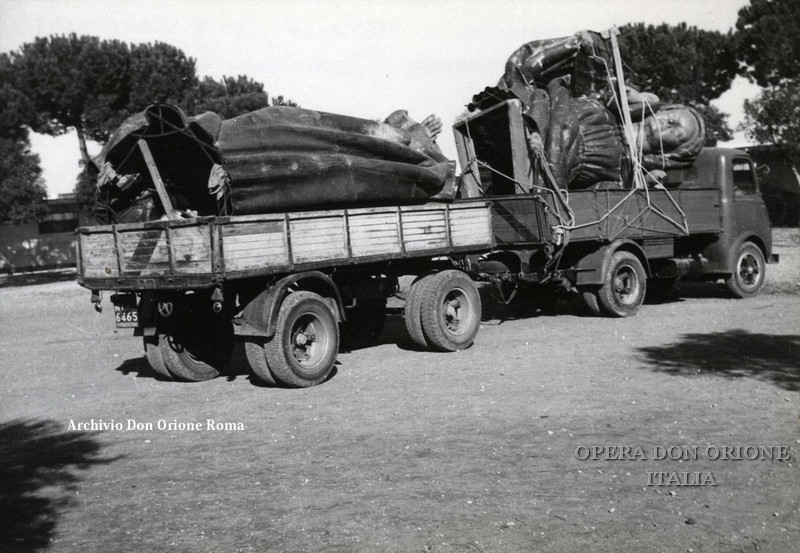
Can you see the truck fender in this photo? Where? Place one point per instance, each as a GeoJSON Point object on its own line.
{"type": "Point", "coordinates": [261, 314]}
{"type": "Point", "coordinates": [592, 267]}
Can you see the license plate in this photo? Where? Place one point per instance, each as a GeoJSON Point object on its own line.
{"type": "Point", "coordinates": [126, 314]}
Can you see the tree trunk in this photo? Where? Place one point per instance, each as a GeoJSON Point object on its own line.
{"type": "Point", "coordinates": [84, 151]}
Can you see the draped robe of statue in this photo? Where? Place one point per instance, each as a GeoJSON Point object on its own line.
{"type": "Point", "coordinates": [270, 160]}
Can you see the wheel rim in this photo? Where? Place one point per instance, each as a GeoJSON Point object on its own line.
{"type": "Point", "coordinates": [626, 285]}
{"type": "Point", "coordinates": [308, 341]}
{"type": "Point", "coordinates": [749, 270]}
{"type": "Point", "coordinates": [456, 312]}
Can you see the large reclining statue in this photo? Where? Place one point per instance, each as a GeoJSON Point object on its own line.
{"type": "Point", "coordinates": [567, 87]}
{"type": "Point", "coordinates": [273, 159]}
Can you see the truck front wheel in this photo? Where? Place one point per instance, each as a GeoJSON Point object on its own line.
{"type": "Point", "coordinates": [303, 351]}
{"type": "Point", "coordinates": [450, 310]}
{"type": "Point", "coordinates": [623, 288]}
{"type": "Point", "coordinates": [748, 272]}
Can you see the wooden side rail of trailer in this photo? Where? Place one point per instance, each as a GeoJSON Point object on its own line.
{"type": "Point", "coordinates": [202, 252]}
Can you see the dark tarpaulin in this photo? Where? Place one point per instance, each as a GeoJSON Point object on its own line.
{"type": "Point", "coordinates": [273, 159]}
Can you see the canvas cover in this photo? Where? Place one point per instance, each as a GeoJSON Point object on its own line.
{"type": "Point", "coordinates": [270, 160]}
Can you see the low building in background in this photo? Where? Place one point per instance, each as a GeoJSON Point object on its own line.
{"type": "Point", "coordinates": [46, 244]}
{"type": "Point", "coordinates": [780, 182]}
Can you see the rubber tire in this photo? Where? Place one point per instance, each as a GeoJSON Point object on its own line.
{"type": "Point", "coordinates": [611, 303]}
{"type": "Point", "coordinates": [364, 323]}
{"type": "Point", "coordinates": [411, 312]}
{"type": "Point", "coordinates": [257, 360]}
{"type": "Point", "coordinates": [154, 357]}
{"type": "Point", "coordinates": [434, 313]}
{"type": "Point", "coordinates": [589, 294]}
{"type": "Point", "coordinates": [736, 282]}
{"type": "Point", "coordinates": [284, 366]}
{"type": "Point", "coordinates": [197, 358]}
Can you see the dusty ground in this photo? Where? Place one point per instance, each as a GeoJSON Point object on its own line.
{"type": "Point", "coordinates": [411, 451]}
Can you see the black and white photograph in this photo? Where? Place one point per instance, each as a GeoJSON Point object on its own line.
{"type": "Point", "coordinates": [399, 276]}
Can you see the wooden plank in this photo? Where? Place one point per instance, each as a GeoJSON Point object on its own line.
{"type": "Point", "coordinates": [255, 240]}
{"type": "Point", "coordinates": [271, 227]}
{"type": "Point", "coordinates": [425, 231]}
{"type": "Point", "coordinates": [390, 234]}
{"type": "Point", "coordinates": [301, 219]}
{"type": "Point", "coordinates": [254, 252]}
{"type": "Point", "coordinates": [420, 220]}
{"type": "Point", "coordinates": [154, 174]}
{"type": "Point", "coordinates": [260, 254]}
{"type": "Point", "coordinates": [234, 249]}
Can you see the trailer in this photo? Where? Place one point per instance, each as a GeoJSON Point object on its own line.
{"type": "Point", "coordinates": [284, 283]}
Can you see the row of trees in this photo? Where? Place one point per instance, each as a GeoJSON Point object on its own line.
{"type": "Point", "coordinates": [68, 82]}
{"type": "Point", "coordinates": [692, 66]}
{"type": "Point", "coordinates": [60, 83]}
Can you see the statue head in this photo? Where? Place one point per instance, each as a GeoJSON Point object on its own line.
{"type": "Point", "coordinates": [673, 128]}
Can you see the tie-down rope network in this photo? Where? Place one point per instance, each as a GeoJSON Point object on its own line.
{"type": "Point", "coordinates": [635, 144]}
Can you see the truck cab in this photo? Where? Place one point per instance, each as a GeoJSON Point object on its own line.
{"type": "Point", "coordinates": [742, 244]}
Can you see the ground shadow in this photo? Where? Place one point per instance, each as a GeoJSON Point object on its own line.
{"type": "Point", "coordinates": [141, 367]}
{"type": "Point", "coordinates": [42, 277]}
{"type": "Point", "coordinates": [734, 353]}
{"type": "Point", "coordinates": [40, 466]}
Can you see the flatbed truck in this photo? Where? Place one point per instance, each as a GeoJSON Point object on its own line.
{"type": "Point", "coordinates": [291, 284]}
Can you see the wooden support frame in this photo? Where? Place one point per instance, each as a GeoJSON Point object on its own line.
{"type": "Point", "coordinates": [156, 176]}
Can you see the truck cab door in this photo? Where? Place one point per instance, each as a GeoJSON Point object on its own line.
{"type": "Point", "coordinates": [749, 211]}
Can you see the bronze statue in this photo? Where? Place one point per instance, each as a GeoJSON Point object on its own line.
{"type": "Point", "coordinates": [568, 89]}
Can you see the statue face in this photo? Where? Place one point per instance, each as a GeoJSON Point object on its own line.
{"type": "Point", "coordinates": [669, 129]}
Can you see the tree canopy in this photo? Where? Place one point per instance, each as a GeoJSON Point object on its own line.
{"type": "Point", "coordinates": [768, 39]}
{"type": "Point", "coordinates": [229, 97]}
{"type": "Point", "coordinates": [682, 64]}
{"type": "Point", "coordinates": [22, 191]}
{"type": "Point", "coordinates": [58, 83]}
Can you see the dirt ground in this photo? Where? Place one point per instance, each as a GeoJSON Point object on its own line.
{"type": "Point", "coordinates": [478, 451]}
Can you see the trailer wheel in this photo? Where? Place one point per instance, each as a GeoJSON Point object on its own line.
{"type": "Point", "coordinates": [411, 312]}
{"type": "Point", "coordinates": [197, 353]}
{"type": "Point", "coordinates": [749, 271]}
{"type": "Point", "coordinates": [154, 357]}
{"type": "Point", "coordinates": [364, 323]}
{"type": "Point", "coordinates": [257, 360]}
{"type": "Point", "coordinates": [303, 351]}
{"type": "Point", "coordinates": [623, 288]}
{"type": "Point", "coordinates": [450, 309]}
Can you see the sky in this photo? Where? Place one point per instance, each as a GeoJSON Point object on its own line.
{"type": "Point", "coordinates": [365, 58]}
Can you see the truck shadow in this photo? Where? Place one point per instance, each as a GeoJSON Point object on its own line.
{"type": "Point", "coordinates": [731, 354]}
{"type": "Point", "coordinates": [38, 455]}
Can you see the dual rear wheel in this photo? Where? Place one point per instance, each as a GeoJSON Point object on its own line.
{"type": "Point", "coordinates": [193, 349]}
{"type": "Point", "coordinates": [443, 311]}
{"type": "Point", "coordinates": [303, 350]}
